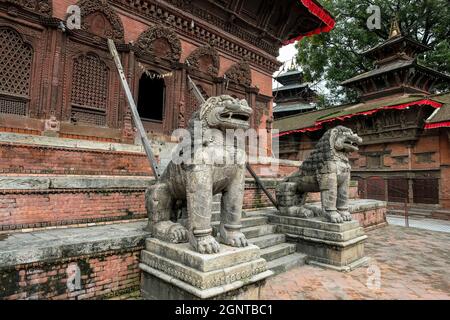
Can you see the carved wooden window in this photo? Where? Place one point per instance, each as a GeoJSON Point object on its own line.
{"type": "Point", "coordinates": [16, 58]}
{"type": "Point", "coordinates": [376, 188]}
{"type": "Point", "coordinates": [89, 90]}
{"type": "Point", "coordinates": [426, 191]}
{"type": "Point", "coordinates": [398, 190]}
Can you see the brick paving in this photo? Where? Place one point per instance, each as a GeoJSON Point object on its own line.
{"type": "Point", "coordinates": [413, 264]}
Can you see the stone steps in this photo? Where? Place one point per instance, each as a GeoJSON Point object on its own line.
{"type": "Point", "coordinates": [246, 222]}
{"type": "Point", "coordinates": [278, 251]}
{"type": "Point", "coordinates": [286, 263]}
{"type": "Point", "coordinates": [259, 231]}
{"type": "Point", "coordinates": [279, 254]}
{"type": "Point", "coordinates": [268, 240]}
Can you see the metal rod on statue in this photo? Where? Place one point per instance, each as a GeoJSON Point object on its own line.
{"type": "Point", "coordinates": [194, 89]}
{"type": "Point", "coordinates": [134, 111]}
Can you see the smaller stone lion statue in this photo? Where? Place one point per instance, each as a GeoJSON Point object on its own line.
{"type": "Point", "coordinates": [179, 205]}
{"type": "Point", "coordinates": [326, 170]}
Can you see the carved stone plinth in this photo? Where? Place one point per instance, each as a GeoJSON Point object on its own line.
{"type": "Point", "coordinates": [339, 246]}
{"type": "Point", "coordinates": [176, 272]}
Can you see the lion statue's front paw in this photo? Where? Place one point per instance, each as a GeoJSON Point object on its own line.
{"type": "Point", "coordinates": [204, 244]}
{"type": "Point", "coordinates": [334, 217]}
{"type": "Point", "coordinates": [232, 238]}
{"type": "Point", "coordinates": [346, 215]}
{"type": "Point", "coordinates": [178, 234]}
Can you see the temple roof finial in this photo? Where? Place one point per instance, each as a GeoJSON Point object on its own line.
{"type": "Point", "coordinates": [395, 29]}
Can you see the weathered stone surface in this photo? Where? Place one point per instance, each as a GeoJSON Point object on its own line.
{"type": "Point", "coordinates": [216, 168]}
{"type": "Point", "coordinates": [327, 170]}
{"type": "Point", "coordinates": [183, 253]}
{"type": "Point", "coordinates": [204, 280]}
{"type": "Point", "coordinates": [73, 182]}
{"type": "Point", "coordinates": [336, 246]}
{"type": "Point", "coordinates": [156, 285]}
{"type": "Point", "coordinates": [67, 143]}
{"type": "Point", "coordinates": [23, 248]}
{"type": "Point", "coordinates": [180, 271]}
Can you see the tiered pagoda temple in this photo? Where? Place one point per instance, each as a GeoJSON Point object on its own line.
{"type": "Point", "coordinates": [405, 124]}
{"type": "Point", "coordinates": [294, 96]}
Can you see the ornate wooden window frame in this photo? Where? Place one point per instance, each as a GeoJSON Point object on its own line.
{"type": "Point", "coordinates": [74, 50]}
{"type": "Point", "coordinates": [35, 37]}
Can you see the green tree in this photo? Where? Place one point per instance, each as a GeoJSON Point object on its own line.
{"type": "Point", "coordinates": [336, 56]}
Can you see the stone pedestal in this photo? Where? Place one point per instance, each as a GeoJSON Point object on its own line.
{"type": "Point", "coordinates": [176, 272]}
{"type": "Point", "coordinates": [331, 245]}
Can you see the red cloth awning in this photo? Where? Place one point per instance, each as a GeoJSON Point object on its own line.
{"type": "Point", "coordinates": [327, 21]}
{"type": "Point", "coordinates": [318, 124]}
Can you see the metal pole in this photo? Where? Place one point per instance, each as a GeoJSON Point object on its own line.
{"type": "Point", "coordinates": [406, 213]}
{"type": "Point", "coordinates": [134, 111]}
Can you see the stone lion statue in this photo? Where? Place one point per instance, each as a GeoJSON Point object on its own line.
{"type": "Point", "coordinates": [326, 170]}
{"type": "Point", "coordinates": [179, 204]}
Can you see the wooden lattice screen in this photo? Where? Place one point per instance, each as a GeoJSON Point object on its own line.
{"type": "Point", "coordinates": [16, 58]}
{"type": "Point", "coordinates": [89, 90]}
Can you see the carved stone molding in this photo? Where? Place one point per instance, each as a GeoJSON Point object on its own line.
{"type": "Point", "coordinates": [156, 12]}
{"type": "Point", "coordinates": [240, 73]}
{"type": "Point", "coordinates": [205, 59]}
{"type": "Point", "coordinates": [160, 41]}
{"type": "Point", "coordinates": [43, 7]}
{"type": "Point", "coordinates": [93, 15]}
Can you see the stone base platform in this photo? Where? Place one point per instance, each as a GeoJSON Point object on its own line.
{"type": "Point", "coordinates": [336, 246]}
{"type": "Point", "coordinates": [176, 272]}
{"type": "Point", "coordinates": [370, 214]}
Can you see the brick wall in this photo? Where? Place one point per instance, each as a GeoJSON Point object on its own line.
{"type": "Point", "coordinates": [37, 209]}
{"type": "Point", "coordinates": [60, 160]}
{"type": "Point", "coordinates": [108, 274]}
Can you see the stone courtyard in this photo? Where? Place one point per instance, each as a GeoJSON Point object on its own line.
{"type": "Point", "coordinates": [413, 264]}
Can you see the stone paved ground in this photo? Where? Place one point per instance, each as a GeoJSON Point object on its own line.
{"type": "Point", "coordinates": [413, 264]}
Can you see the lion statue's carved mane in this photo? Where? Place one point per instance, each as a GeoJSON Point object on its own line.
{"type": "Point", "coordinates": [326, 170]}
{"type": "Point", "coordinates": [187, 186]}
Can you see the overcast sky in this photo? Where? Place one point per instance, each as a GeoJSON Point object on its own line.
{"type": "Point", "coordinates": [287, 53]}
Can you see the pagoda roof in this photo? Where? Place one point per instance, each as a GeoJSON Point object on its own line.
{"type": "Point", "coordinates": [312, 121]}
{"type": "Point", "coordinates": [292, 107]}
{"type": "Point", "coordinates": [441, 117]}
{"type": "Point", "coordinates": [395, 66]}
{"type": "Point", "coordinates": [420, 47]}
{"type": "Point", "coordinates": [291, 87]}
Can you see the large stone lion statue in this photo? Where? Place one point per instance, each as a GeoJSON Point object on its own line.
{"type": "Point", "coordinates": [326, 170]}
{"type": "Point", "coordinates": [179, 205]}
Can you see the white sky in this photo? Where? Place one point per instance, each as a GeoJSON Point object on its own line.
{"type": "Point", "coordinates": [287, 53]}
